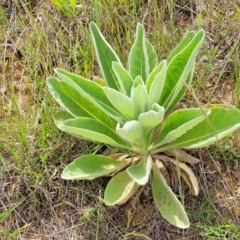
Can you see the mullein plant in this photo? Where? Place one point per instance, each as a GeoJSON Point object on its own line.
{"type": "Point", "coordinates": [137, 110]}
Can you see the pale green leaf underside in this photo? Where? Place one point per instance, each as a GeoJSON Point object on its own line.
{"type": "Point", "coordinates": [141, 172]}
{"type": "Point", "coordinates": [105, 56]}
{"type": "Point", "coordinates": [166, 201]}
{"type": "Point", "coordinates": [131, 131]}
{"type": "Point", "coordinates": [220, 123]}
{"type": "Point", "coordinates": [92, 166]}
{"type": "Point", "coordinates": [120, 189]}
{"type": "Point", "coordinates": [152, 118]}
{"type": "Point", "coordinates": [93, 130]}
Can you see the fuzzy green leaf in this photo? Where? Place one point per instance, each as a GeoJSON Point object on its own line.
{"type": "Point", "coordinates": [166, 201]}
{"type": "Point", "coordinates": [141, 172]}
{"type": "Point", "coordinates": [138, 56]}
{"type": "Point", "coordinates": [105, 56]}
{"type": "Point", "coordinates": [132, 132]}
{"type": "Point", "coordinates": [152, 55]}
{"type": "Point", "coordinates": [61, 116]}
{"type": "Point", "coordinates": [157, 81]}
{"type": "Point", "coordinates": [180, 70]}
{"type": "Point", "coordinates": [91, 90]}
{"type": "Point", "coordinates": [121, 102]}
{"type": "Point", "coordinates": [178, 123]}
{"type": "Point", "coordinates": [91, 167]}
{"type": "Point", "coordinates": [152, 118]}
{"type": "Point", "coordinates": [125, 80]}
{"type": "Point", "coordinates": [74, 102]}
{"type": "Point", "coordinates": [220, 123]}
{"type": "Point", "coordinates": [139, 96]}
{"type": "Point", "coordinates": [120, 189]}
{"type": "Point", "coordinates": [91, 129]}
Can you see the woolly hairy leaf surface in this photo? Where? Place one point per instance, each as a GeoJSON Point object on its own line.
{"type": "Point", "coordinates": [138, 56]}
{"type": "Point", "coordinates": [178, 123]}
{"type": "Point", "coordinates": [125, 80]}
{"type": "Point", "coordinates": [157, 83]}
{"type": "Point", "coordinates": [74, 102]}
{"type": "Point", "coordinates": [152, 118]}
{"type": "Point", "coordinates": [152, 55]}
{"type": "Point", "coordinates": [141, 172]}
{"type": "Point", "coordinates": [180, 70]}
{"type": "Point", "coordinates": [91, 90]}
{"type": "Point", "coordinates": [166, 201]}
{"type": "Point", "coordinates": [91, 129]}
{"type": "Point", "coordinates": [220, 123]}
{"type": "Point", "coordinates": [132, 132]}
{"type": "Point", "coordinates": [92, 166]}
{"type": "Point", "coordinates": [139, 97]}
{"type": "Point", "coordinates": [105, 56]}
{"type": "Point", "coordinates": [123, 103]}
{"type": "Point", "coordinates": [120, 189]}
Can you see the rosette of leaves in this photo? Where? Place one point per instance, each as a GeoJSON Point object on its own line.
{"type": "Point", "coordinates": [137, 110]}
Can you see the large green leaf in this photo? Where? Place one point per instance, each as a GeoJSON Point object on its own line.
{"type": "Point", "coordinates": [178, 123]}
{"type": "Point", "coordinates": [93, 130]}
{"type": "Point", "coordinates": [166, 201]}
{"type": "Point", "coordinates": [123, 103]}
{"type": "Point", "coordinates": [61, 116]}
{"type": "Point", "coordinates": [152, 55]}
{"type": "Point", "coordinates": [220, 123]}
{"type": "Point", "coordinates": [125, 80]}
{"type": "Point", "coordinates": [132, 132]}
{"type": "Point", "coordinates": [138, 56]}
{"type": "Point", "coordinates": [139, 96]}
{"type": "Point", "coordinates": [105, 56]}
{"type": "Point", "coordinates": [156, 80]}
{"type": "Point", "coordinates": [91, 90]}
{"type": "Point", "coordinates": [120, 189]}
{"type": "Point", "coordinates": [92, 166]}
{"type": "Point", "coordinates": [74, 102]}
{"type": "Point", "coordinates": [154, 72]}
{"type": "Point", "coordinates": [141, 172]}
{"type": "Point", "coordinates": [184, 42]}
{"type": "Point", "coordinates": [180, 70]}
{"type": "Point", "coordinates": [151, 118]}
